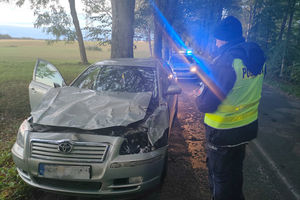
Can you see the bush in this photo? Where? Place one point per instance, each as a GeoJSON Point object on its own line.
{"type": "Point", "coordinates": [5, 36]}
{"type": "Point", "coordinates": [295, 73]}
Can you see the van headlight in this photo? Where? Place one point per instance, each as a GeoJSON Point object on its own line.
{"type": "Point", "coordinates": [23, 130]}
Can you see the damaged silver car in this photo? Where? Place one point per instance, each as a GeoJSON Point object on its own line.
{"type": "Point", "coordinates": [105, 134]}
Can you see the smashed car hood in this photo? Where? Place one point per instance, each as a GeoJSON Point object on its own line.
{"type": "Point", "coordinates": [88, 109]}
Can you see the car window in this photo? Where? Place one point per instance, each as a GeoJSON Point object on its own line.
{"type": "Point", "coordinates": [127, 79]}
{"type": "Point", "coordinates": [47, 74]}
{"type": "Point", "coordinates": [88, 79]}
{"type": "Point", "coordinates": [119, 79]}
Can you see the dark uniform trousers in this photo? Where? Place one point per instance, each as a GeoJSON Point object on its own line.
{"type": "Point", "coordinates": [225, 168]}
{"type": "Point", "coordinates": [225, 164]}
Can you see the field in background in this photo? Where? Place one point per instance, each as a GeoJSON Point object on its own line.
{"type": "Point", "coordinates": [17, 60]}
{"type": "Point", "coordinates": [20, 56]}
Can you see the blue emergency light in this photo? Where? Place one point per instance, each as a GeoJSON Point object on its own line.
{"type": "Point", "coordinates": [189, 52]}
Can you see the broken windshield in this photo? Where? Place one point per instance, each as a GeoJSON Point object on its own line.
{"type": "Point", "coordinates": [119, 79]}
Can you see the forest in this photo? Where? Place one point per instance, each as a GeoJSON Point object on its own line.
{"type": "Point", "coordinates": [273, 24]}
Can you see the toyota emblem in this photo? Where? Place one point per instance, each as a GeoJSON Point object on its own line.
{"type": "Point", "coordinates": [65, 147]}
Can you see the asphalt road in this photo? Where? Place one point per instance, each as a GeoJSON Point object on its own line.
{"type": "Point", "coordinates": [271, 167]}
{"type": "Point", "coordinates": [272, 164]}
{"type": "Point", "coordinates": [277, 148]}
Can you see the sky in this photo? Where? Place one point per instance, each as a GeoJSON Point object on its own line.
{"type": "Point", "coordinates": [12, 15]}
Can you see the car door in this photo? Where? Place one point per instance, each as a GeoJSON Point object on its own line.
{"type": "Point", "coordinates": [45, 77]}
{"type": "Point", "coordinates": [167, 80]}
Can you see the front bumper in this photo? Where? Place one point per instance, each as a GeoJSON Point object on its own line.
{"type": "Point", "coordinates": [110, 177]}
{"type": "Point", "coordinates": [185, 73]}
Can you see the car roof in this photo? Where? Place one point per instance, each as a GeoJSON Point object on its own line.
{"type": "Point", "coordinates": [142, 62]}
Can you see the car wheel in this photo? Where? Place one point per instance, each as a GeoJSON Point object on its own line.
{"type": "Point", "coordinates": [175, 114]}
{"type": "Point", "coordinates": [165, 169]}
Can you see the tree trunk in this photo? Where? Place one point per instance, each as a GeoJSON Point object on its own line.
{"type": "Point", "coordinates": [267, 37]}
{"type": "Point", "coordinates": [149, 41]}
{"type": "Point", "coordinates": [251, 17]}
{"type": "Point", "coordinates": [292, 11]}
{"type": "Point", "coordinates": [283, 24]}
{"type": "Point", "coordinates": [157, 41]}
{"type": "Point", "coordinates": [166, 47]}
{"type": "Point", "coordinates": [157, 31]}
{"type": "Point", "coordinates": [83, 57]}
{"type": "Point", "coordinates": [168, 7]}
{"type": "Point", "coordinates": [283, 61]}
{"type": "Point", "coordinates": [215, 16]}
{"type": "Point", "coordinates": [122, 28]}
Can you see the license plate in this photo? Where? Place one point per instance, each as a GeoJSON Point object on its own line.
{"type": "Point", "coordinates": [64, 172]}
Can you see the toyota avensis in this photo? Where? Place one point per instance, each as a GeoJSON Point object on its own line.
{"type": "Point", "coordinates": [105, 134]}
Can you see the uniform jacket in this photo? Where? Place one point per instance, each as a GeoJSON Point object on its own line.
{"type": "Point", "coordinates": [225, 75]}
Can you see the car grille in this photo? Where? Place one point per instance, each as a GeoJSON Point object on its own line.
{"type": "Point", "coordinates": [81, 151]}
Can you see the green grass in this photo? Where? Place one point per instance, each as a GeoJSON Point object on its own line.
{"type": "Point", "coordinates": [12, 187]}
{"type": "Point", "coordinates": [17, 60]}
{"type": "Point", "coordinates": [285, 87]}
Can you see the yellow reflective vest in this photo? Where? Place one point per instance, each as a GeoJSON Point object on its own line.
{"type": "Point", "coordinates": [240, 107]}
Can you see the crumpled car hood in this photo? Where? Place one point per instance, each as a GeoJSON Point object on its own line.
{"type": "Point", "coordinates": [89, 110]}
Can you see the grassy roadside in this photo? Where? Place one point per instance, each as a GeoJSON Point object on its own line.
{"type": "Point", "coordinates": [285, 87]}
{"type": "Point", "coordinates": [17, 60]}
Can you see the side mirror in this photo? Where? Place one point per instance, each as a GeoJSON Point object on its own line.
{"type": "Point", "coordinates": [173, 89]}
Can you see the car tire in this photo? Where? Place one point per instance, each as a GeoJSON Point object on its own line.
{"type": "Point", "coordinates": [175, 115]}
{"type": "Point", "coordinates": [165, 169]}
{"type": "Point", "coordinates": [175, 118]}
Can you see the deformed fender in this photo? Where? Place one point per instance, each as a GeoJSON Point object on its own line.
{"type": "Point", "coordinates": [158, 122]}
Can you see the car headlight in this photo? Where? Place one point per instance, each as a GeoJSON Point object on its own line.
{"type": "Point", "coordinates": [24, 128]}
{"type": "Point", "coordinates": [136, 141]}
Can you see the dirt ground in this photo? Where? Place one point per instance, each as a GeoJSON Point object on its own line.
{"type": "Point", "coordinates": [187, 172]}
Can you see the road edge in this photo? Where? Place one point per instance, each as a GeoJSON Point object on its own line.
{"type": "Point", "coordinates": [277, 170]}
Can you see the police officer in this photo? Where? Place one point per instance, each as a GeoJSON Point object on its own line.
{"type": "Point", "coordinates": [231, 122]}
